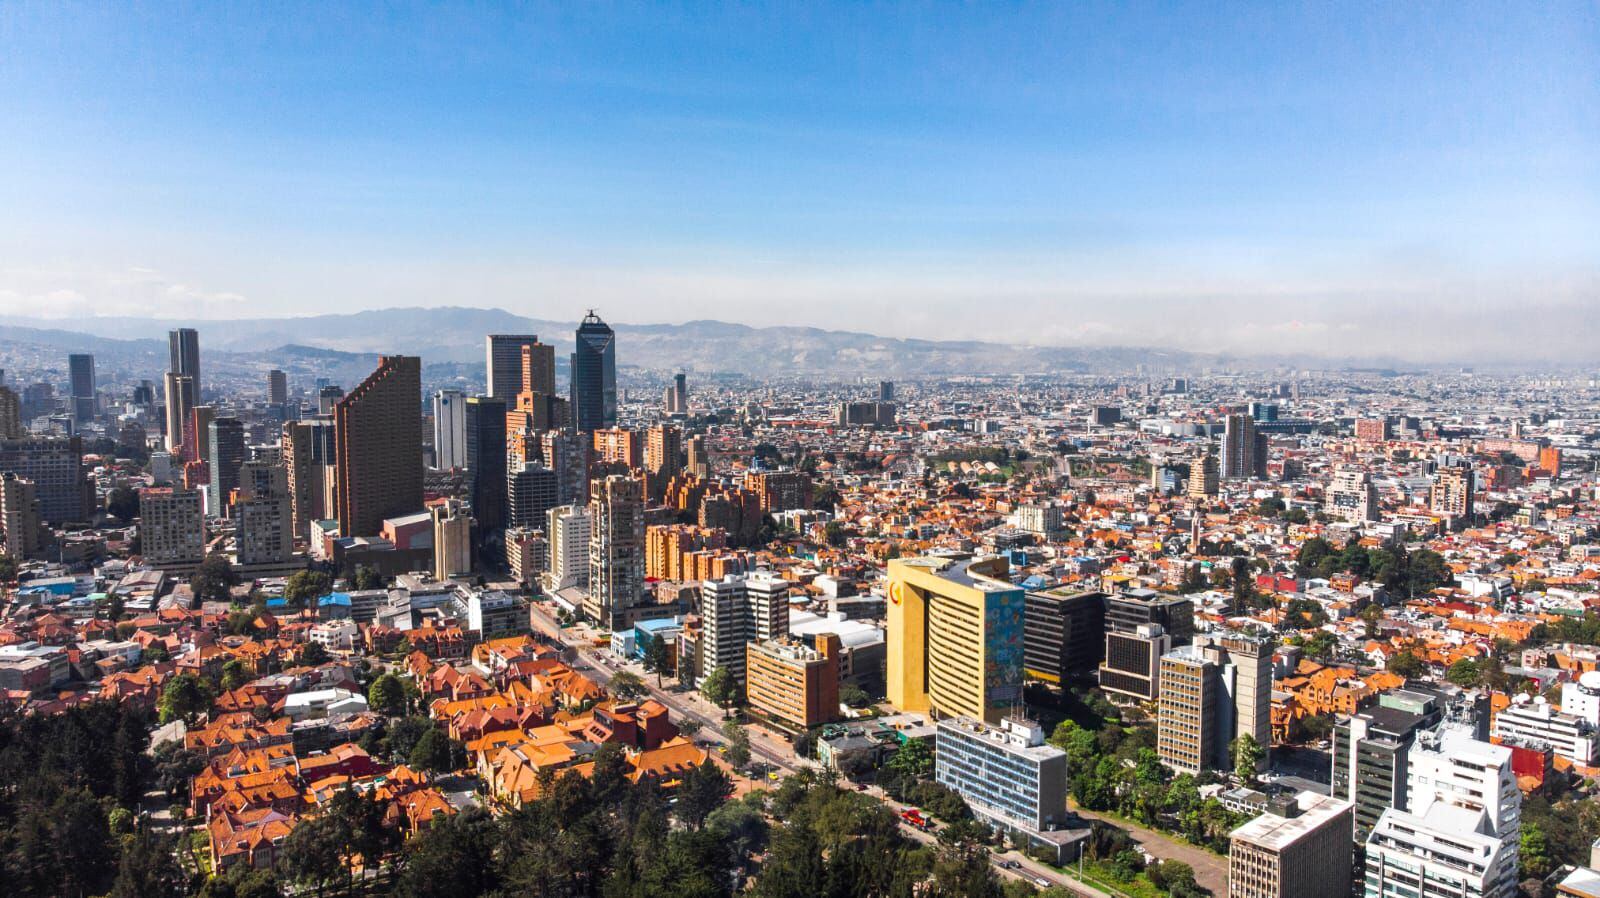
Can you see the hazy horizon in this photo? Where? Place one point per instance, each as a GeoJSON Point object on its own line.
{"type": "Point", "coordinates": [1420, 181]}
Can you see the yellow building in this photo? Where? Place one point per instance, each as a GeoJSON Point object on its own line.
{"type": "Point", "coordinates": [955, 637]}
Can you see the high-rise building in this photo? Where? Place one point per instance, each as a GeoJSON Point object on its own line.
{"type": "Point", "coordinates": [55, 466]}
{"type": "Point", "coordinates": [1373, 430]}
{"type": "Point", "coordinates": [1063, 634]}
{"type": "Point", "coordinates": [80, 367]}
{"type": "Point", "coordinates": [663, 451]}
{"type": "Point", "coordinates": [1372, 749]}
{"type": "Point", "coordinates": [277, 388]}
{"type": "Point", "coordinates": [10, 414]}
{"type": "Point", "coordinates": [378, 433]}
{"type": "Point", "coordinates": [309, 450]}
{"type": "Point", "coordinates": [780, 491]}
{"type": "Point", "coordinates": [1189, 729]}
{"type": "Point", "coordinates": [768, 598]}
{"type": "Point", "coordinates": [616, 550]}
{"type": "Point", "coordinates": [485, 423]}
{"type": "Point", "coordinates": [1141, 626]}
{"type": "Point", "coordinates": [885, 391]}
{"type": "Point", "coordinates": [955, 637]}
{"type": "Point", "coordinates": [1298, 848]}
{"type": "Point", "coordinates": [1247, 682]}
{"type": "Point", "coordinates": [527, 554]}
{"type": "Point", "coordinates": [1351, 497]}
{"type": "Point", "coordinates": [183, 347]}
{"type": "Point", "coordinates": [789, 680]}
{"type": "Point", "coordinates": [618, 445]}
{"type": "Point", "coordinates": [568, 456]}
{"type": "Point", "coordinates": [531, 493]}
{"type": "Point", "coordinates": [594, 375]}
{"type": "Point", "coordinates": [1045, 519]}
{"type": "Point", "coordinates": [503, 364]}
{"type": "Point", "coordinates": [180, 398]}
{"type": "Point", "coordinates": [676, 401]}
{"type": "Point", "coordinates": [449, 429]}
{"type": "Point", "coordinates": [1451, 495]}
{"type": "Point", "coordinates": [725, 626]}
{"type": "Point", "coordinates": [1460, 829]}
{"type": "Point", "coordinates": [1203, 477]}
{"type": "Point", "coordinates": [197, 433]}
{"type": "Point", "coordinates": [452, 539]}
{"type": "Point", "coordinates": [265, 514]}
{"type": "Point", "coordinates": [172, 529]}
{"type": "Point", "coordinates": [1244, 449]}
{"type": "Point", "coordinates": [1008, 775]}
{"type": "Point", "coordinates": [697, 461]}
{"type": "Point", "coordinates": [569, 532]}
{"type": "Point", "coordinates": [19, 516]}
{"type": "Point", "coordinates": [328, 396]}
{"type": "Point", "coordinates": [226, 442]}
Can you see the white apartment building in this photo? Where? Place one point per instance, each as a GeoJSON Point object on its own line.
{"type": "Point", "coordinates": [568, 533]}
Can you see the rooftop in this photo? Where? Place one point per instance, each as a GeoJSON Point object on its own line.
{"type": "Point", "coordinates": [1275, 833]}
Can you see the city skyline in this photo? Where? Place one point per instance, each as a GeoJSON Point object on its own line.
{"type": "Point", "coordinates": [1403, 182]}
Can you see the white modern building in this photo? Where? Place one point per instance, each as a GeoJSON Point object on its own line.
{"type": "Point", "coordinates": [449, 429]}
{"type": "Point", "coordinates": [568, 535]}
{"type": "Point", "coordinates": [1532, 721]}
{"type": "Point", "coordinates": [1006, 773]}
{"type": "Point", "coordinates": [1459, 836]}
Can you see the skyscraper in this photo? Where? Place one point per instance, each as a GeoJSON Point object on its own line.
{"type": "Point", "coordinates": [10, 414]}
{"type": "Point", "coordinates": [1451, 496]}
{"type": "Point", "coordinates": [616, 550]}
{"type": "Point", "coordinates": [378, 433]}
{"type": "Point", "coordinates": [594, 375]}
{"type": "Point", "coordinates": [19, 516]}
{"type": "Point", "coordinates": [449, 429]}
{"type": "Point", "coordinates": [81, 368]}
{"type": "Point", "coordinates": [530, 495]}
{"type": "Point", "coordinates": [503, 361]}
{"type": "Point", "coordinates": [485, 424]}
{"type": "Point", "coordinates": [663, 451]}
{"type": "Point", "coordinates": [183, 346]}
{"type": "Point", "coordinates": [676, 400]}
{"type": "Point", "coordinates": [180, 397]}
{"type": "Point", "coordinates": [277, 387]}
{"type": "Point", "coordinates": [452, 539]}
{"type": "Point", "coordinates": [309, 451]}
{"type": "Point", "coordinates": [1244, 449]}
{"type": "Point", "coordinates": [226, 442]}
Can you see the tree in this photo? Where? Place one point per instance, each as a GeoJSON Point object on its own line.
{"type": "Point", "coordinates": [214, 581]}
{"type": "Point", "coordinates": [1535, 852]}
{"type": "Point", "coordinates": [1172, 877]}
{"type": "Point", "coordinates": [184, 697]}
{"type": "Point", "coordinates": [657, 657]}
{"type": "Point", "coordinates": [312, 654]}
{"type": "Point", "coordinates": [387, 695]}
{"type": "Point", "coordinates": [627, 685]}
{"type": "Point", "coordinates": [304, 588]}
{"type": "Point", "coordinates": [452, 858]}
{"type": "Point", "coordinates": [719, 688]}
{"type": "Point", "coordinates": [242, 881]}
{"type": "Point", "coordinates": [234, 675]}
{"type": "Point", "coordinates": [122, 503]}
{"type": "Point", "coordinates": [912, 759]}
{"type": "Point", "coordinates": [433, 752]}
{"type": "Point", "coordinates": [401, 736]}
{"type": "Point", "coordinates": [1407, 664]}
{"type": "Point", "coordinates": [1247, 757]}
{"type": "Point", "coordinates": [703, 789]}
{"type": "Point", "coordinates": [740, 826]}
{"type": "Point", "coordinates": [738, 743]}
{"type": "Point", "coordinates": [688, 726]}
{"type": "Point", "coordinates": [1464, 673]}
{"type": "Point", "coordinates": [366, 578]}
{"type": "Point", "coordinates": [854, 696]}
{"type": "Point", "coordinates": [8, 568]}
{"type": "Point", "coordinates": [145, 868]}
{"type": "Point", "coordinates": [311, 855]}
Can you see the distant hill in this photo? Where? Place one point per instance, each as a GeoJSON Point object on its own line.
{"type": "Point", "coordinates": [455, 335]}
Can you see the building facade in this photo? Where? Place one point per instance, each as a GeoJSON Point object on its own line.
{"type": "Point", "coordinates": [955, 637]}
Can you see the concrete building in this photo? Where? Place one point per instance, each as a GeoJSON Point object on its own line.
{"type": "Point", "coordinates": [1299, 848]}
{"type": "Point", "coordinates": [308, 450]}
{"type": "Point", "coordinates": [1043, 519]}
{"type": "Point", "coordinates": [1141, 626]}
{"type": "Point", "coordinates": [531, 491]}
{"type": "Point", "coordinates": [725, 626]}
{"type": "Point", "coordinates": [594, 375]}
{"type": "Point", "coordinates": [485, 423]}
{"type": "Point", "coordinates": [569, 532]}
{"type": "Point", "coordinates": [1452, 493]}
{"type": "Point", "coordinates": [19, 517]}
{"type": "Point", "coordinates": [1063, 634]}
{"type": "Point", "coordinates": [779, 491]}
{"type": "Point", "coordinates": [1006, 773]}
{"type": "Point", "coordinates": [503, 364]}
{"type": "Point", "coordinates": [663, 451]}
{"type": "Point", "coordinates": [1244, 449]}
{"type": "Point", "coordinates": [1204, 476]}
{"type": "Point", "coordinates": [449, 429]}
{"type": "Point", "coordinates": [172, 529]}
{"type": "Point", "coordinates": [527, 554]}
{"type": "Point", "coordinates": [452, 539]}
{"type": "Point", "coordinates": [492, 614]}
{"type": "Point", "coordinates": [1351, 497]}
{"type": "Point", "coordinates": [793, 682]}
{"type": "Point", "coordinates": [55, 466]}
{"type": "Point", "coordinates": [378, 435]}
{"type": "Point", "coordinates": [225, 442]}
{"type": "Point", "coordinates": [616, 550]}
{"type": "Point", "coordinates": [1189, 729]}
{"type": "Point", "coordinates": [955, 637]}
{"type": "Point", "coordinates": [1460, 832]}
{"type": "Point", "coordinates": [10, 414]}
{"type": "Point", "coordinates": [1533, 722]}
{"type": "Point", "coordinates": [264, 515]}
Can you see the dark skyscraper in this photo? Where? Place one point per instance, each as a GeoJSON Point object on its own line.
{"type": "Point", "coordinates": [183, 346]}
{"type": "Point", "coordinates": [226, 443]}
{"type": "Point", "coordinates": [503, 361]}
{"type": "Point", "coordinates": [486, 461]}
{"type": "Point", "coordinates": [594, 375]}
{"type": "Point", "coordinates": [81, 369]}
{"type": "Point", "coordinates": [277, 387]}
{"type": "Point", "coordinates": [378, 435]}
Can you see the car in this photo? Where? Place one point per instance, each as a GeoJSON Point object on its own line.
{"type": "Point", "coordinates": [1011, 865]}
{"type": "Point", "coordinates": [1042, 883]}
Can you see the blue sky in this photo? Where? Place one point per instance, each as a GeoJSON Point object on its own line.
{"type": "Point", "coordinates": [1319, 177]}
